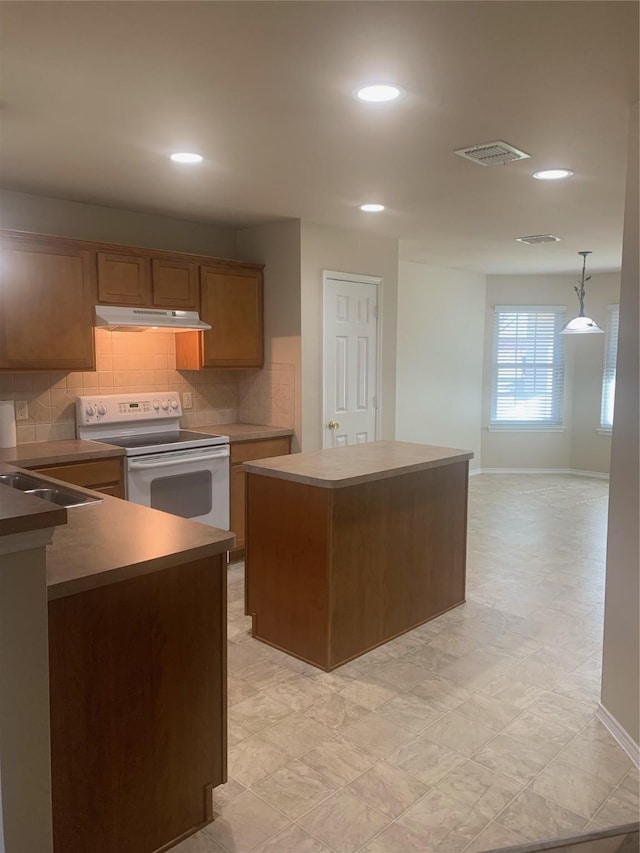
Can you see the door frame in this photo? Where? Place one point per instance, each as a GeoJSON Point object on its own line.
{"type": "Point", "coordinates": [359, 278]}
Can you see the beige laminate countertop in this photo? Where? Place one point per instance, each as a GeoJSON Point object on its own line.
{"type": "Point", "coordinates": [245, 432]}
{"type": "Point", "coordinates": [20, 513]}
{"type": "Point", "coordinates": [358, 463]}
{"type": "Point", "coordinates": [38, 453]}
{"type": "Point", "coordinates": [105, 542]}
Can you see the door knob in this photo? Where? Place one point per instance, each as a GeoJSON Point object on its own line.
{"type": "Point", "coordinates": [333, 425]}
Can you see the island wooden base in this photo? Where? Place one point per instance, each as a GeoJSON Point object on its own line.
{"type": "Point", "coordinates": [138, 709]}
{"type": "Point", "coordinates": [334, 572]}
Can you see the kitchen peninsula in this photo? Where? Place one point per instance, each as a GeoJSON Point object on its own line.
{"type": "Point", "coordinates": [137, 670]}
{"type": "Point", "coordinates": [352, 546]}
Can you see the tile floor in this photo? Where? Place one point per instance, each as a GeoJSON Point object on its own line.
{"type": "Point", "coordinates": [472, 732]}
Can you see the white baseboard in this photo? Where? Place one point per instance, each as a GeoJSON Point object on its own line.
{"type": "Point", "coordinates": [575, 471]}
{"type": "Point", "coordinates": [619, 734]}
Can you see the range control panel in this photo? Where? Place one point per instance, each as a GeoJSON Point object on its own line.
{"type": "Point", "coordinates": [122, 408]}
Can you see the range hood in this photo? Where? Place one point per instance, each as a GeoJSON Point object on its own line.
{"type": "Point", "coordinates": [126, 318]}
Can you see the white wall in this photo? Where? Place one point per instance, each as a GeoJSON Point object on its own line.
{"type": "Point", "coordinates": [341, 250]}
{"type": "Point", "coordinates": [578, 445]}
{"type": "Point", "coordinates": [621, 653]}
{"type": "Point", "coordinates": [278, 246]}
{"type": "Point", "coordinates": [62, 218]}
{"type": "Point", "coordinates": [441, 314]}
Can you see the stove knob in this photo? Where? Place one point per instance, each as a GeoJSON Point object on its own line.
{"type": "Point", "coordinates": [174, 403]}
{"type": "Point", "coordinates": [156, 405]}
{"type": "Point", "coordinates": [102, 410]}
{"type": "Point", "coordinates": [90, 411]}
{"type": "Point", "coordinates": [165, 405]}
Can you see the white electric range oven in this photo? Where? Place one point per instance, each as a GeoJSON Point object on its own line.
{"type": "Point", "coordinates": [167, 468]}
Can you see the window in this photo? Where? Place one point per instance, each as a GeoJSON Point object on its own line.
{"type": "Point", "coordinates": [609, 375]}
{"type": "Point", "coordinates": [528, 366]}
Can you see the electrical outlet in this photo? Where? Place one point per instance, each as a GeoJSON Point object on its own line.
{"type": "Point", "coordinates": [187, 401]}
{"type": "Point", "coordinates": [22, 410]}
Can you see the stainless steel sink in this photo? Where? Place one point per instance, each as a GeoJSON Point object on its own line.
{"type": "Point", "coordinates": [45, 491]}
{"type": "Point", "coordinates": [61, 497]}
{"type": "Point", "coordinates": [20, 481]}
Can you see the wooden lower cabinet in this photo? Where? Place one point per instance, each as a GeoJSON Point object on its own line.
{"type": "Point", "coordinates": [101, 475]}
{"type": "Point", "coordinates": [243, 451]}
{"type": "Point", "coordinates": [331, 573]}
{"type": "Point", "coordinates": [138, 709]}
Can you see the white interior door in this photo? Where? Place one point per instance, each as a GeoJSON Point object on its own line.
{"type": "Point", "coordinates": [350, 340]}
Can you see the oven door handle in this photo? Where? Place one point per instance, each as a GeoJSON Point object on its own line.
{"type": "Point", "coordinates": [178, 460]}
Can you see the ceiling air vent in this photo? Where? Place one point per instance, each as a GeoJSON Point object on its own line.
{"type": "Point", "coordinates": [536, 239]}
{"type": "Point", "coordinates": [492, 153]}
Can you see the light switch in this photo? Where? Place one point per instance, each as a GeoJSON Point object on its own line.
{"type": "Point", "coordinates": [187, 401]}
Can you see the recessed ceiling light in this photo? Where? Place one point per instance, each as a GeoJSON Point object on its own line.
{"type": "Point", "coordinates": [378, 93]}
{"type": "Point", "coordinates": [552, 174]}
{"type": "Point", "coordinates": [186, 157]}
{"type": "Point", "coordinates": [372, 208]}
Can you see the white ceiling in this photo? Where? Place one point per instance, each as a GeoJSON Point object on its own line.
{"type": "Point", "coordinates": [96, 95]}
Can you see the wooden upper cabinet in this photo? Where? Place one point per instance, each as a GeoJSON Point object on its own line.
{"type": "Point", "coordinates": [47, 294]}
{"type": "Point", "coordinates": [123, 279]}
{"type": "Point", "coordinates": [50, 285]}
{"type": "Point", "coordinates": [175, 284]}
{"type": "Point", "coordinates": [136, 280]}
{"type": "Point", "coordinates": [231, 302]}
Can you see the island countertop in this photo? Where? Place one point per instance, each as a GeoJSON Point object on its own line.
{"type": "Point", "coordinates": [108, 541]}
{"type": "Point", "coordinates": [338, 467]}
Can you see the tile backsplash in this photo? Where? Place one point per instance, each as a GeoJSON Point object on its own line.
{"type": "Point", "coordinates": [131, 362]}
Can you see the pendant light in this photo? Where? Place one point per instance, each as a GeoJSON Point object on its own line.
{"type": "Point", "coordinates": [582, 325]}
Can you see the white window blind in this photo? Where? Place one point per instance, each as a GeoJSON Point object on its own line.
{"type": "Point", "coordinates": [528, 366]}
{"type": "Point", "coordinates": [609, 374]}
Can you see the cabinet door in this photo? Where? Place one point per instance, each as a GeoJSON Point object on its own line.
{"type": "Point", "coordinates": [123, 279]}
{"type": "Point", "coordinates": [242, 451]}
{"type": "Point", "coordinates": [175, 284]}
{"type": "Point", "coordinates": [102, 475]}
{"type": "Point", "coordinates": [231, 301]}
{"type": "Point", "coordinates": [47, 294]}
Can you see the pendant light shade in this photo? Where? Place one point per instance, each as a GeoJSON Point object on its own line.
{"type": "Point", "coordinates": [582, 325]}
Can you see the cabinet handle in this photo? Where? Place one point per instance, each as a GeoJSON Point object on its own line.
{"type": "Point", "coordinates": [333, 425]}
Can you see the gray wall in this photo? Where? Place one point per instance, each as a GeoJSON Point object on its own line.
{"type": "Point", "coordinates": [440, 341]}
{"type": "Point", "coordinates": [62, 218]}
{"type": "Point", "coordinates": [620, 662]}
{"type": "Point", "coordinates": [278, 247]}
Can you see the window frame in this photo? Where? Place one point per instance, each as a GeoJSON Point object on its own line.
{"type": "Point", "coordinates": [609, 368]}
{"type": "Point", "coordinates": [553, 423]}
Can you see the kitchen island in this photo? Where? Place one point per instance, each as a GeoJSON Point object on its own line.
{"type": "Point", "coordinates": [350, 547]}
{"type": "Point", "coordinates": [137, 670]}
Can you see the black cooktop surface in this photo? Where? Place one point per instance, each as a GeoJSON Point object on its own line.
{"type": "Point", "coordinates": [157, 438]}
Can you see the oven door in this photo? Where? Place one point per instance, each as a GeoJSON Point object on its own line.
{"type": "Point", "coordinates": [190, 483]}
